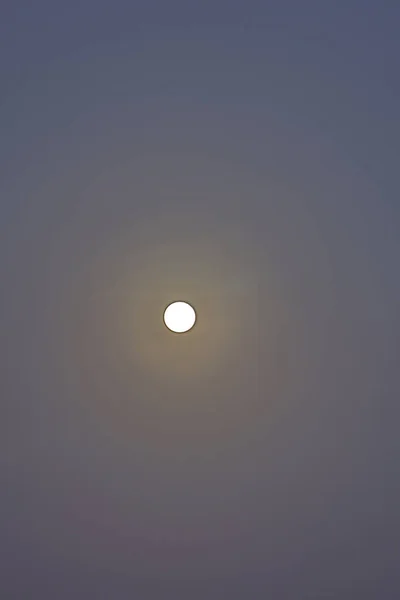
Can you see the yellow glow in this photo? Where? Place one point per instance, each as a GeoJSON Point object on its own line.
{"type": "Point", "coordinates": [179, 317]}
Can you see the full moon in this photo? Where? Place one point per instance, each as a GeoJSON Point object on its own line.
{"type": "Point", "coordinates": [179, 317]}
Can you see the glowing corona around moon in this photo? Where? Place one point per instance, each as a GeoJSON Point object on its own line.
{"type": "Point", "coordinates": [179, 317]}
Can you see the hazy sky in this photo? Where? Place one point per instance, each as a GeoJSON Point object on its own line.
{"type": "Point", "coordinates": [243, 156]}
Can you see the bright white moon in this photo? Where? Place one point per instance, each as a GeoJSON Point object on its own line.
{"type": "Point", "coordinates": [179, 317]}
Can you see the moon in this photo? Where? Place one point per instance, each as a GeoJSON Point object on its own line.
{"type": "Point", "coordinates": [180, 317]}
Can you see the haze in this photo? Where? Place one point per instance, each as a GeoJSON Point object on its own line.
{"type": "Point", "coordinates": [243, 156]}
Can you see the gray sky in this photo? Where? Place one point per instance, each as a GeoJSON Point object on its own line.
{"type": "Point", "coordinates": [242, 156]}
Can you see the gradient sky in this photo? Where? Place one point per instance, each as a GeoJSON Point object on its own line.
{"type": "Point", "coordinates": [244, 156]}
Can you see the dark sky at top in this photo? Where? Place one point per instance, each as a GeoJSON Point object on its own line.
{"type": "Point", "coordinates": [243, 156]}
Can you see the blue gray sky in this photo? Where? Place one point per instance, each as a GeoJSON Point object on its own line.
{"type": "Point", "coordinates": [242, 156]}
